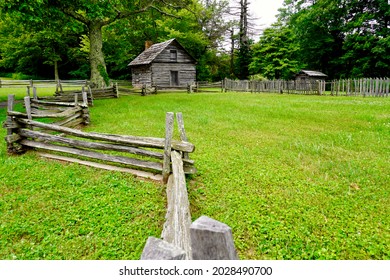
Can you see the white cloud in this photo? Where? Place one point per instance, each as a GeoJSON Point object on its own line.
{"type": "Point", "coordinates": [265, 11]}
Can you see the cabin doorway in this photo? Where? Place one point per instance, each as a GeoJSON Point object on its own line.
{"type": "Point", "coordinates": [174, 78]}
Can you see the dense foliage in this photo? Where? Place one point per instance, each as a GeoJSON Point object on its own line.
{"type": "Point", "coordinates": [342, 38]}
{"type": "Point", "coordinates": [92, 39]}
{"type": "Point", "coordinates": [108, 34]}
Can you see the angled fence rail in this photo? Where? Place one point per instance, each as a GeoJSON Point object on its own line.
{"type": "Point", "coordinates": [5, 83]}
{"type": "Point", "coordinates": [137, 155]}
{"type": "Point", "coordinates": [204, 239]}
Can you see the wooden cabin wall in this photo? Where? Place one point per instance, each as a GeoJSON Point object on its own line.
{"type": "Point", "coordinates": [161, 73]}
{"type": "Point", "coordinates": [141, 75]}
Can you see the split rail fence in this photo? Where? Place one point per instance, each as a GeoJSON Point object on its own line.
{"type": "Point", "coordinates": [41, 83]}
{"type": "Point", "coordinates": [25, 130]}
{"type": "Point", "coordinates": [204, 239]}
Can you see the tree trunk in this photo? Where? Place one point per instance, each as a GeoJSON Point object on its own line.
{"type": "Point", "coordinates": [244, 56]}
{"type": "Point", "coordinates": [99, 76]}
{"type": "Point", "coordinates": [232, 54]}
{"type": "Point", "coordinates": [56, 75]}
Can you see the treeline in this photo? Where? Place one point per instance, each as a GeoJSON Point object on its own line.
{"type": "Point", "coordinates": [342, 38]}
{"type": "Point", "coordinates": [96, 40]}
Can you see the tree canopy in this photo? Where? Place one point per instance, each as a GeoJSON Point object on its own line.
{"type": "Point", "coordinates": [97, 39]}
{"type": "Point", "coordinates": [342, 38]}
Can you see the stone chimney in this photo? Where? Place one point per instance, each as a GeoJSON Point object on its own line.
{"type": "Point", "coordinates": [148, 44]}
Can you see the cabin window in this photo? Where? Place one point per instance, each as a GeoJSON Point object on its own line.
{"type": "Point", "coordinates": [174, 78]}
{"type": "Point", "coordinates": [173, 55]}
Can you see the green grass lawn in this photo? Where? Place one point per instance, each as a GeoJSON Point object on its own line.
{"type": "Point", "coordinates": [295, 177]}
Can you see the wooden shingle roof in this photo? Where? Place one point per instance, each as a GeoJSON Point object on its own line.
{"type": "Point", "coordinates": [311, 73]}
{"type": "Point", "coordinates": [147, 56]}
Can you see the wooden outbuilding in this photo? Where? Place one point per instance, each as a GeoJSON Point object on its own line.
{"type": "Point", "coordinates": [310, 75]}
{"type": "Point", "coordinates": [164, 65]}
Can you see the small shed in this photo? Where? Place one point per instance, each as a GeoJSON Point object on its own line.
{"type": "Point", "coordinates": [165, 64]}
{"type": "Point", "coordinates": [310, 75]}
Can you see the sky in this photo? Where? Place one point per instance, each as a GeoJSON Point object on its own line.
{"type": "Point", "coordinates": [265, 10]}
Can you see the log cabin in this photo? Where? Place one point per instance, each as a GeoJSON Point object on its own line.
{"type": "Point", "coordinates": [309, 75]}
{"type": "Point", "coordinates": [165, 65]}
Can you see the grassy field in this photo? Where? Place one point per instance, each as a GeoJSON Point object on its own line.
{"type": "Point", "coordinates": [296, 177]}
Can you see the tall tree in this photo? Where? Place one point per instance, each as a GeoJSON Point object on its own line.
{"type": "Point", "coordinates": [275, 56]}
{"type": "Point", "coordinates": [93, 14]}
{"type": "Point", "coordinates": [343, 38]}
{"type": "Point", "coordinates": [24, 49]}
{"type": "Point", "coordinates": [244, 45]}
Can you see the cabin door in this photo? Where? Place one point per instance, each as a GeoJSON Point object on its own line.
{"type": "Point", "coordinates": [174, 78]}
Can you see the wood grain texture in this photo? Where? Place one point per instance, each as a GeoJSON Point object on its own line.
{"type": "Point", "coordinates": [178, 218]}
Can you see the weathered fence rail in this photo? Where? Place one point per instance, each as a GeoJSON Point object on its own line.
{"type": "Point", "coordinates": [204, 239]}
{"type": "Point", "coordinates": [181, 239]}
{"type": "Point", "coordinates": [92, 93]}
{"type": "Point", "coordinates": [63, 96]}
{"type": "Point", "coordinates": [41, 83]}
{"type": "Point", "coordinates": [24, 132]}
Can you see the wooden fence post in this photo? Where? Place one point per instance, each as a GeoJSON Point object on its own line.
{"type": "Point", "coordinates": [27, 104]}
{"type": "Point", "coordinates": [35, 95]}
{"type": "Point", "coordinates": [116, 90]}
{"type": "Point", "coordinates": [10, 124]}
{"type": "Point", "coordinates": [85, 110]}
{"type": "Point", "coordinates": [183, 136]}
{"type": "Point", "coordinates": [212, 240]}
{"type": "Point", "coordinates": [167, 146]}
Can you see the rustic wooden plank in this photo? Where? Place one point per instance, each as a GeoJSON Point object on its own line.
{"type": "Point", "coordinates": [155, 166]}
{"type": "Point", "coordinates": [16, 114]}
{"type": "Point", "coordinates": [48, 107]}
{"type": "Point", "coordinates": [62, 104]}
{"type": "Point", "coordinates": [134, 141]}
{"type": "Point", "coordinates": [68, 119]}
{"type": "Point", "coordinates": [85, 98]}
{"type": "Point", "coordinates": [35, 95]}
{"type": "Point", "coordinates": [74, 123]}
{"type": "Point", "coordinates": [27, 104]}
{"type": "Point", "coordinates": [176, 145]}
{"type": "Point", "coordinates": [10, 122]}
{"type": "Point", "coordinates": [12, 138]}
{"type": "Point", "coordinates": [178, 218]}
{"type": "Point", "coordinates": [167, 146]}
{"type": "Point", "coordinates": [212, 240]}
{"type": "Point", "coordinates": [183, 135]}
{"type": "Point", "coordinates": [89, 145]}
{"type": "Point", "coordinates": [137, 173]}
{"type": "Point", "coordinates": [65, 114]}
